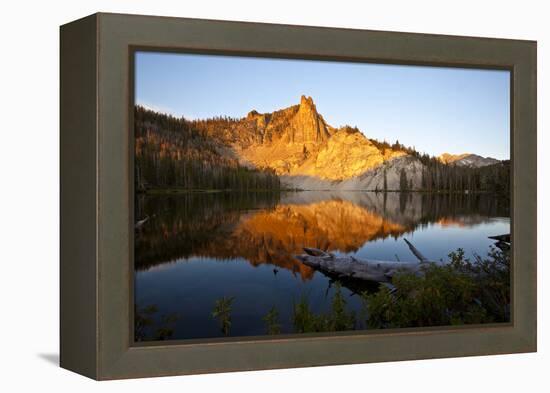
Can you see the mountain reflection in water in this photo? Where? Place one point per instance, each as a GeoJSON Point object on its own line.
{"type": "Point", "coordinates": [273, 227]}
{"type": "Point", "coordinates": [197, 248]}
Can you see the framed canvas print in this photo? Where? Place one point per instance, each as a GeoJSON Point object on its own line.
{"type": "Point", "coordinates": [240, 196]}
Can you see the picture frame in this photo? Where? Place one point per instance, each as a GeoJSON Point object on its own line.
{"type": "Point", "coordinates": [96, 196]}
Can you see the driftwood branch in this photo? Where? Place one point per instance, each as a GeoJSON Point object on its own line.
{"type": "Point", "coordinates": [361, 269]}
{"type": "Point", "coordinates": [501, 238]}
{"type": "Point", "coordinates": [415, 251]}
{"type": "Point", "coordinates": [142, 222]}
{"type": "Point", "coordinates": [502, 241]}
{"type": "Point", "coordinates": [373, 270]}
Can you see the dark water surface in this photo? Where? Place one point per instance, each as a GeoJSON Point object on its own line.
{"type": "Point", "coordinates": [200, 247]}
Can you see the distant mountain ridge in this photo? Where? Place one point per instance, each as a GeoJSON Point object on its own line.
{"type": "Point", "coordinates": [467, 159]}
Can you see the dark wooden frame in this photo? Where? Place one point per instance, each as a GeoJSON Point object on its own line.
{"type": "Point", "coordinates": [97, 179]}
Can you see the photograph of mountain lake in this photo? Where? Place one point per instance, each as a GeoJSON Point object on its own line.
{"type": "Point", "coordinates": [285, 196]}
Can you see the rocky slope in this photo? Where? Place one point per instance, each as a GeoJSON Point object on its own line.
{"type": "Point", "coordinates": [307, 153]}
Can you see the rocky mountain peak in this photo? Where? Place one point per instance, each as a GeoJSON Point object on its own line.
{"type": "Point", "coordinates": [307, 102]}
{"type": "Point", "coordinates": [307, 126]}
{"type": "Point", "coordinates": [297, 143]}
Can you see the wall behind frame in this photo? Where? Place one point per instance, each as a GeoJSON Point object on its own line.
{"type": "Point", "coordinates": [30, 171]}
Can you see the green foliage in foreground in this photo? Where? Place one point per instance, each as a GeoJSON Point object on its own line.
{"type": "Point", "coordinates": [146, 328]}
{"type": "Point", "coordinates": [462, 292]}
{"type": "Point", "coordinates": [222, 312]}
{"type": "Point", "coordinates": [271, 320]}
{"type": "Point", "coordinates": [306, 321]}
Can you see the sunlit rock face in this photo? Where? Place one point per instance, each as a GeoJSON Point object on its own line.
{"type": "Point", "coordinates": [307, 126]}
{"type": "Point", "coordinates": [298, 144]}
{"type": "Point", "coordinates": [370, 177]}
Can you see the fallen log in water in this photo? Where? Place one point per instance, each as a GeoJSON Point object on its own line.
{"type": "Point", "coordinates": [501, 238]}
{"type": "Point", "coordinates": [348, 267]}
{"type": "Point", "coordinates": [502, 241]}
{"type": "Point", "coordinates": [362, 269]}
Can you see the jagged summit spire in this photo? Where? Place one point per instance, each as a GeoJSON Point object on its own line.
{"type": "Point", "coordinates": [307, 101]}
{"type": "Point", "coordinates": [302, 123]}
{"type": "Point", "coordinates": [307, 126]}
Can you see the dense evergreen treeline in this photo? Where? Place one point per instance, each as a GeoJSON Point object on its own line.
{"type": "Point", "coordinates": [173, 153]}
{"type": "Point", "coordinates": [437, 176]}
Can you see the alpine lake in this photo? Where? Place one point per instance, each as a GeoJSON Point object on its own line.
{"type": "Point", "coordinates": [199, 247]}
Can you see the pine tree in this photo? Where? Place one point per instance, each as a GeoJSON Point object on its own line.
{"type": "Point", "coordinates": [403, 184]}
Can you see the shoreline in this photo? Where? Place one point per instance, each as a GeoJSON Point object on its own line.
{"type": "Point", "coordinates": [179, 191]}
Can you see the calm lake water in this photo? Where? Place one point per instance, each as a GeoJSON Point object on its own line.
{"type": "Point", "coordinates": [198, 248]}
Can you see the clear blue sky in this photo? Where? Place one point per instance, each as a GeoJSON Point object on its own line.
{"type": "Point", "coordinates": [435, 109]}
